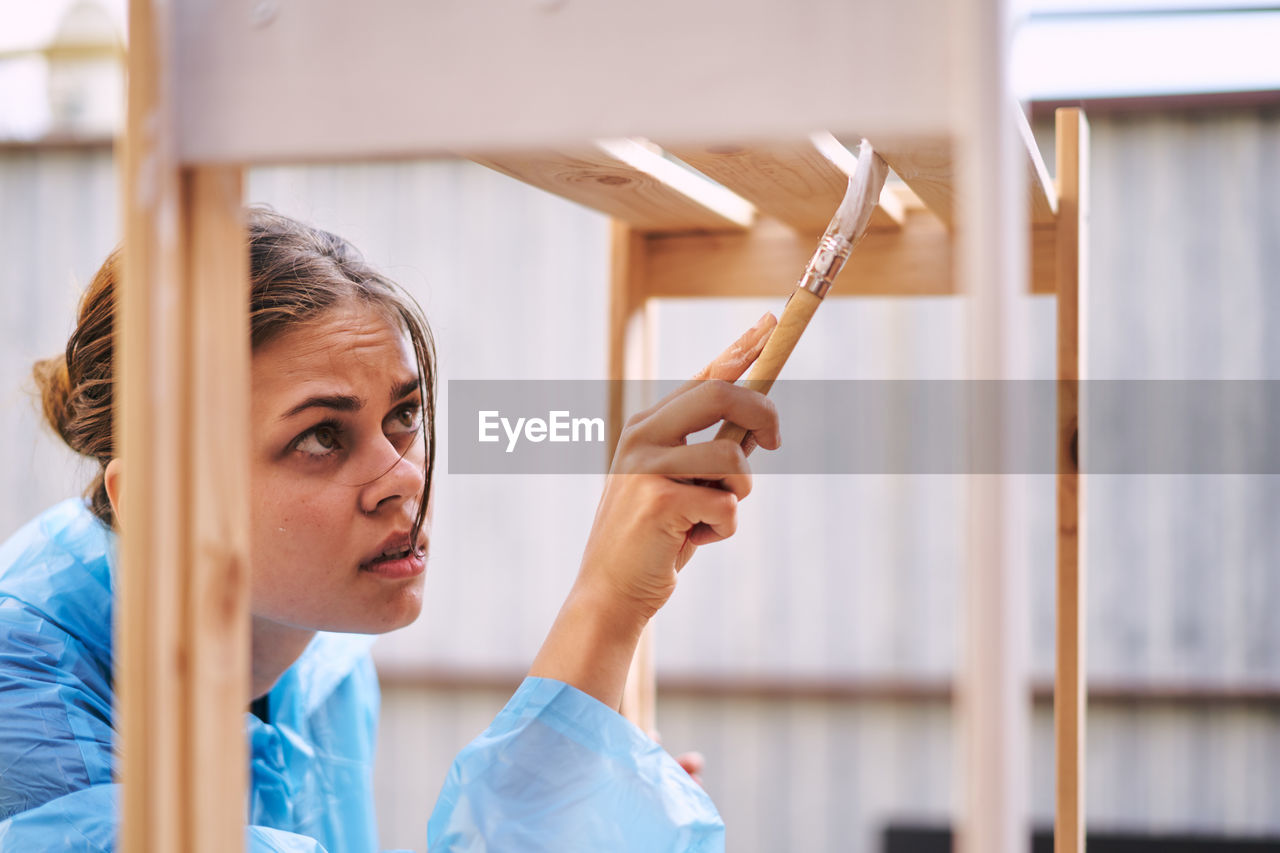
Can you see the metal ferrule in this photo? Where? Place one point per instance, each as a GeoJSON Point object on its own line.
{"type": "Point", "coordinates": [825, 264]}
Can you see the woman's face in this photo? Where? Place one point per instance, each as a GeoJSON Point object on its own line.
{"type": "Point", "coordinates": [337, 475]}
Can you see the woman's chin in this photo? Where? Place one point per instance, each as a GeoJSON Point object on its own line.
{"type": "Point", "coordinates": [388, 613]}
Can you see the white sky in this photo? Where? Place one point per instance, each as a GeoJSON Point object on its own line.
{"type": "Point", "coordinates": [30, 23]}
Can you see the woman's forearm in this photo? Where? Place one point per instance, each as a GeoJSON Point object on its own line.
{"type": "Point", "coordinates": [590, 645]}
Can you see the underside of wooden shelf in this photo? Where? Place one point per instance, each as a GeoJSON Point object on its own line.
{"type": "Point", "coordinates": [741, 219]}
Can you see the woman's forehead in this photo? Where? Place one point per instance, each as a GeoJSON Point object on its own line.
{"type": "Point", "coordinates": [352, 344]}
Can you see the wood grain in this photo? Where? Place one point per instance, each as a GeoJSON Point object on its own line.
{"type": "Point", "coordinates": [792, 182]}
{"type": "Point", "coordinates": [631, 352]}
{"type": "Point", "coordinates": [602, 182]}
{"type": "Point", "coordinates": [1070, 690]}
{"type": "Point", "coordinates": [182, 629]}
{"type": "Point", "coordinates": [151, 422]}
{"type": "Point", "coordinates": [926, 165]}
{"type": "Point", "coordinates": [217, 587]}
{"type": "Point", "coordinates": [768, 259]}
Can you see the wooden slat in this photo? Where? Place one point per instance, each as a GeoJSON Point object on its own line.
{"type": "Point", "coordinates": [1070, 689]}
{"type": "Point", "coordinates": [768, 260]}
{"type": "Point", "coordinates": [1042, 194]}
{"type": "Point", "coordinates": [594, 178]}
{"type": "Point", "coordinates": [416, 78]}
{"type": "Point", "coordinates": [217, 589]}
{"type": "Point", "coordinates": [181, 667]}
{"type": "Point", "coordinates": [630, 353]}
{"type": "Point", "coordinates": [1042, 260]}
{"type": "Point", "coordinates": [926, 165]}
{"type": "Point", "coordinates": [794, 182]}
{"type": "Point", "coordinates": [789, 686]}
{"type": "Point", "coordinates": [150, 422]}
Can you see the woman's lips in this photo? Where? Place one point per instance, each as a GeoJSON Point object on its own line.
{"type": "Point", "coordinates": [395, 568]}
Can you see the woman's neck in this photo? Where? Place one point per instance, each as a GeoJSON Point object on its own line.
{"type": "Point", "coordinates": [274, 649]}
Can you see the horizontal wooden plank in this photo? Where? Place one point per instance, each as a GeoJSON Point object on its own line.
{"type": "Point", "coordinates": [768, 259]}
{"type": "Point", "coordinates": [262, 82]}
{"type": "Point", "coordinates": [602, 181]}
{"type": "Point", "coordinates": [794, 182]}
{"type": "Point", "coordinates": [846, 688]}
{"type": "Point", "coordinates": [926, 165]}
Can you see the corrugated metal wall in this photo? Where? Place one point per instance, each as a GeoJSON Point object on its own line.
{"type": "Point", "coordinates": [862, 588]}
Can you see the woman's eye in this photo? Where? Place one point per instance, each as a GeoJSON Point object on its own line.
{"type": "Point", "coordinates": [406, 419]}
{"type": "Point", "coordinates": [318, 441]}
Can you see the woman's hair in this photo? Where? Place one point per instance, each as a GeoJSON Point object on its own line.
{"type": "Point", "coordinates": [296, 273]}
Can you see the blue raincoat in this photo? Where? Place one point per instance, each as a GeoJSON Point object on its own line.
{"type": "Point", "coordinates": [556, 770]}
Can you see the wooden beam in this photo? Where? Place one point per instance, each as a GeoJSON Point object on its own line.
{"type": "Point", "coordinates": [1070, 690]}
{"type": "Point", "coordinates": [427, 78]}
{"type": "Point", "coordinates": [149, 423]}
{"type": "Point", "coordinates": [181, 661]}
{"type": "Point", "coordinates": [1043, 260]}
{"type": "Point", "coordinates": [217, 588]}
{"type": "Point", "coordinates": [786, 686]}
{"type": "Point", "coordinates": [601, 180]}
{"type": "Point", "coordinates": [795, 182]}
{"type": "Point", "coordinates": [926, 165]}
{"type": "Point", "coordinates": [767, 260]}
{"type": "Point", "coordinates": [630, 354]}
{"type": "Point", "coordinates": [1041, 192]}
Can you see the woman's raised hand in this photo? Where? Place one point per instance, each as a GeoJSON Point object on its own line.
{"type": "Point", "coordinates": [662, 499]}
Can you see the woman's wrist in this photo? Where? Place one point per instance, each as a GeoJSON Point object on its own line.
{"type": "Point", "coordinates": [591, 643]}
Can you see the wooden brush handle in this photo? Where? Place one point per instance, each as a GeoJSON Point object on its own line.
{"type": "Point", "coordinates": [795, 316]}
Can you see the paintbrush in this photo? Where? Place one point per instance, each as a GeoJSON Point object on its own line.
{"type": "Point", "coordinates": [845, 230]}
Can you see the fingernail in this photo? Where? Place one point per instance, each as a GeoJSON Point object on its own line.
{"type": "Point", "coordinates": [760, 324]}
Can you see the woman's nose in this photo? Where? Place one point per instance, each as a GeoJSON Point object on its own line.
{"type": "Point", "coordinates": [402, 478]}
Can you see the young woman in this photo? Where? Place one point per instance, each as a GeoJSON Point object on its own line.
{"type": "Point", "coordinates": [342, 448]}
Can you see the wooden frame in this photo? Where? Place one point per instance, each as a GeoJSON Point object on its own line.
{"type": "Point", "coordinates": [200, 110]}
{"type": "Point", "coordinates": [182, 672]}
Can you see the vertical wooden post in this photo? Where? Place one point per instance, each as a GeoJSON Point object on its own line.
{"type": "Point", "coordinates": [1069, 681]}
{"type": "Point", "coordinates": [182, 425]}
{"type": "Point", "coordinates": [994, 702]}
{"type": "Point", "coordinates": [217, 589]}
{"type": "Point", "coordinates": [629, 356]}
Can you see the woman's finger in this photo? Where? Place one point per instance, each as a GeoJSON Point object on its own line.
{"type": "Point", "coordinates": [693, 763]}
{"type": "Point", "coordinates": [706, 515]}
{"type": "Point", "coordinates": [708, 403]}
{"type": "Point", "coordinates": [716, 464]}
{"type": "Point", "coordinates": [740, 354]}
{"type": "Point", "coordinates": [728, 365]}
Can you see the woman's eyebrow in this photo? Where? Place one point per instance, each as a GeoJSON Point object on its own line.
{"type": "Point", "coordinates": [404, 389]}
{"type": "Point", "coordinates": [339, 402]}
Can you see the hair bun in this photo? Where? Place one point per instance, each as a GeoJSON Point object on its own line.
{"type": "Point", "coordinates": [54, 383]}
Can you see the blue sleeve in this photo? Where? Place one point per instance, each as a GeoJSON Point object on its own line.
{"type": "Point", "coordinates": [86, 821]}
{"type": "Point", "coordinates": [559, 771]}
{"type": "Point", "coordinates": [56, 744]}
{"type": "Point", "coordinates": [55, 711]}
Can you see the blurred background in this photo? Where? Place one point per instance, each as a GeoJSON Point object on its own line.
{"type": "Point", "coordinates": [814, 669]}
